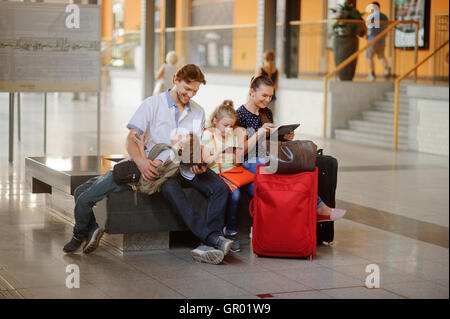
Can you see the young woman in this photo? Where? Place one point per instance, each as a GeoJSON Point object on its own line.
{"type": "Point", "coordinates": [257, 119]}
{"type": "Point", "coordinates": [223, 150]}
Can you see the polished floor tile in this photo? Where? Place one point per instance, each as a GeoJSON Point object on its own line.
{"type": "Point", "coordinates": [263, 282]}
{"type": "Point", "coordinates": [360, 293]}
{"type": "Point", "coordinates": [418, 290]}
{"type": "Point", "coordinates": [398, 219]}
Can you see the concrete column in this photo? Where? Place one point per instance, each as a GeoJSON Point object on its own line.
{"type": "Point", "coordinates": [170, 22]}
{"type": "Point", "coordinates": [266, 29]}
{"type": "Point", "coordinates": [148, 47]}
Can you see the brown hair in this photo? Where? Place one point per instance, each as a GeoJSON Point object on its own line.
{"type": "Point", "coordinates": [269, 57]}
{"type": "Point", "coordinates": [190, 73]}
{"type": "Point", "coordinates": [224, 109]}
{"type": "Point", "coordinates": [256, 81]}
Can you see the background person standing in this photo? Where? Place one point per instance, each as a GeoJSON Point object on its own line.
{"type": "Point", "coordinates": [374, 29]}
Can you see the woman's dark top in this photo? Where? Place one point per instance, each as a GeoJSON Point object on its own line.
{"type": "Point", "coordinates": [251, 122]}
{"type": "Point", "coordinates": [273, 77]}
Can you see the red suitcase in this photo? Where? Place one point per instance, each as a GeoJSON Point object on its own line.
{"type": "Point", "coordinates": [284, 211]}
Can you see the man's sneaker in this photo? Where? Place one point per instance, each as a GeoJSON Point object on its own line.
{"type": "Point", "coordinates": [223, 244]}
{"type": "Point", "coordinates": [371, 77]}
{"type": "Point", "coordinates": [93, 240]}
{"type": "Point", "coordinates": [207, 254]}
{"type": "Point", "coordinates": [73, 245]}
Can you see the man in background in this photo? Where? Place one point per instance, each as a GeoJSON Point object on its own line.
{"type": "Point", "coordinates": [374, 28]}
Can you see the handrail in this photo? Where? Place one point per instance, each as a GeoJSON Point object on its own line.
{"type": "Point", "coordinates": [397, 89]}
{"type": "Point", "coordinates": [353, 57]}
{"type": "Point", "coordinates": [299, 22]}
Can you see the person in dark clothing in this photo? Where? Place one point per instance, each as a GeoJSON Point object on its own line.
{"type": "Point", "coordinates": [270, 70]}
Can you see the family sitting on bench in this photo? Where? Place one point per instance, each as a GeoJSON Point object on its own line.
{"type": "Point", "coordinates": [231, 138]}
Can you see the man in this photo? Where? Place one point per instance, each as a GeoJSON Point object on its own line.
{"type": "Point", "coordinates": [163, 117]}
{"type": "Point", "coordinates": [374, 29]}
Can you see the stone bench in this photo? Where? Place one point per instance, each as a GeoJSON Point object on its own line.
{"type": "Point", "coordinates": [132, 222]}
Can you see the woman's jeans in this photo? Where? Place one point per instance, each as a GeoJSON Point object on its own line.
{"type": "Point", "coordinates": [233, 200]}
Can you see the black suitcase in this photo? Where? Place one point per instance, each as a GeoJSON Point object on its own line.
{"type": "Point", "coordinates": [328, 167]}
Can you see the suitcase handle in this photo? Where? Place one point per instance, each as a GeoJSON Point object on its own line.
{"type": "Point", "coordinates": [250, 207]}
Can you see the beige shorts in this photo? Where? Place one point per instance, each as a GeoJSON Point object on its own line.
{"type": "Point", "coordinates": [377, 48]}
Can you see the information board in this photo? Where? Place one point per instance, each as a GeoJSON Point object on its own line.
{"type": "Point", "coordinates": [49, 47]}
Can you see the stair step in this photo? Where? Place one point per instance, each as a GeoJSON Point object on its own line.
{"type": "Point", "coordinates": [376, 127]}
{"type": "Point", "coordinates": [390, 96]}
{"type": "Point", "coordinates": [384, 117]}
{"type": "Point", "coordinates": [370, 139]}
{"type": "Point", "coordinates": [387, 106]}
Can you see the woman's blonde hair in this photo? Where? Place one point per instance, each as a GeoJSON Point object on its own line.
{"type": "Point", "coordinates": [172, 57]}
{"type": "Point", "coordinates": [226, 108]}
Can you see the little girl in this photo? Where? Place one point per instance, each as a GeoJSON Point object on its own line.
{"type": "Point", "coordinates": [223, 150]}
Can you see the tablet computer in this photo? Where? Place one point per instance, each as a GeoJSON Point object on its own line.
{"type": "Point", "coordinates": [285, 129]}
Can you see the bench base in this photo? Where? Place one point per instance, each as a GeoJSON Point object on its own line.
{"type": "Point", "coordinates": [62, 205]}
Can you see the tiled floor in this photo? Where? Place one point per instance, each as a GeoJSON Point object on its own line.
{"type": "Point", "coordinates": [399, 221]}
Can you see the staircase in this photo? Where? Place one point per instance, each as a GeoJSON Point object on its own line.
{"type": "Point", "coordinates": [376, 126]}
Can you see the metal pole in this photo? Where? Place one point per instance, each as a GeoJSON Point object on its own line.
{"type": "Point", "coordinates": [45, 122]}
{"type": "Point", "coordinates": [98, 123]}
{"type": "Point", "coordinates": [19, 127]}
{"type": "Point", "coordinates": [416, 45]}
{"type": "Point", "coordinates": [11, 127]}
{"type": "Point", "coordinates": [325, 107]}
{"type": "Point", "coordinates": [148, 40]}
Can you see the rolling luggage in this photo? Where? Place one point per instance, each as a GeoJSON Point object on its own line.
{"type": "Point", "coordinates": [327, 166]}
{"type": "Point", "coordinates": [284, 211]}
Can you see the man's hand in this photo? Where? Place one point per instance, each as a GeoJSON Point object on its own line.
{"type": "Point", "coordinates": [289, 136]}
{"type": "Point", "coordinates": [148, 168]}
{"type": "Point", "coordinates": [198, 169]}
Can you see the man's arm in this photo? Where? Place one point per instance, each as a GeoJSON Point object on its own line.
{"type": "Point", "coordinates": [146, 166]}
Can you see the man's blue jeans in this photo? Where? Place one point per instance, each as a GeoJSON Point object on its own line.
{"type": "Point", "coordinates": [207, 228]}
{"type": "Point", "coordinates": [86, 196]}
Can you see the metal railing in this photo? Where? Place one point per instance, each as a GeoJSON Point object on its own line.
{"type": "Point", "coordinates": [392, 25]}
{"type": "Point", "coordinates": [397, 89]}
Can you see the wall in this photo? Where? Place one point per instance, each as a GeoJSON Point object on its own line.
{"type": "Point", "coordinates": [428, 129]}
{"type": "Point", "coordinates": [107, 19]}
{"type": "Point", "coordinates": [132, 15]}
{"type": "Point", "coordinates": [244, 40]}
{"type": "Point", "coordinates": [310, 48]}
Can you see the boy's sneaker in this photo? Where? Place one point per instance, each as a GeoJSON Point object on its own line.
{"type": "Point", "coordinates": [93, 240]}
{"type": "Point", "coordinates": [223, 244]}
{"type": "Point", "coordinates": [371, 77]}
{"type": "Point", "coordinates": [73, 245]}
{"type": "Point", "coordinates": [228, 232]}
{"type": "Point", "coordinates": [236, 246]}
{"type": "Point", "coordinates": [207, 254]}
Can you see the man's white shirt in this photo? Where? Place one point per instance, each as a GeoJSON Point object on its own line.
{"type": "Point", "coordinates": [158, 116]}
